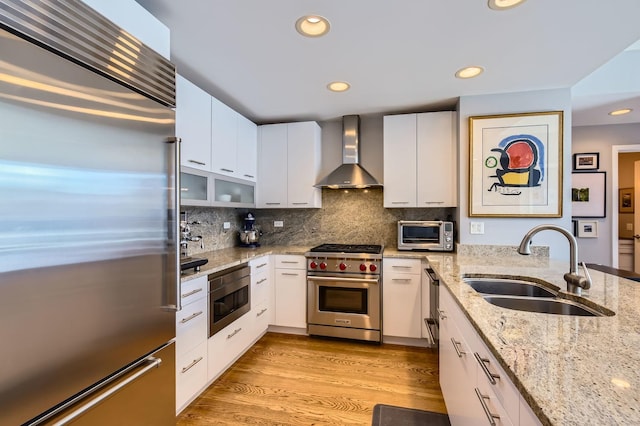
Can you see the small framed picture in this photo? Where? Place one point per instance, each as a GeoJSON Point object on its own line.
{"type": "Point", "coordinates": [625, 200]}
{"type": "Point", "coordinates": [587, 229]}
{"type": "Point", "coordinates": [586, 161]}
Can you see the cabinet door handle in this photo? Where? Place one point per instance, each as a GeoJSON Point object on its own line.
{"type": "Point", "coordinates": [289, 274]}
{"type": "Point", "coordinates": [191, 293]}
{"type": "Point", "coordinates": [236, 331]}
{"type": "Point", "coordinates": [483, 363]}
{"type": "Point", "coordinates": [262, 265]}
{"type": "Point", "coordinates": [442, 315]}
{"type": "Point", "coordinates": [190, 317]}
{"type": "Point", "coordinates": [249, 176]}
{"type": "Point", "coordinates": [434, 202]}
{"type": "Point", "coordinates": [490, 416]}
{"type": "Point", "coordinates": [272, 204]}
{"type": "Point", "coordinates": [455, 346]}
{"type": "Point", "coordinates": [299, 204]}
{"type": "Point", "coordinates": [261, 312]}
{"type": "Point", "coordinates": [226, 170]}
{"type": "Point", "coordinates": [197, 162]}
{"type": "Point", "coordinates": [190, 366]}
{"type": "Point", "coordinates": [403, 280]}
{"type": "Point", "coordinates": [293, 262]}
{"type": "Point", "coordinates": [261, 281]}
{"type": "Point", "coordinates": [399, 202]}
{"type": "Point", "coordinates": [401, 266]}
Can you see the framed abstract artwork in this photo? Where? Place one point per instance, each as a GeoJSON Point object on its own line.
{"type": "Point", "coordinates": [515, 165]}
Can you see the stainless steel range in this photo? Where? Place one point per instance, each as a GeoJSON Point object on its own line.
{"type": "Point", "coordinates": [344, 288]}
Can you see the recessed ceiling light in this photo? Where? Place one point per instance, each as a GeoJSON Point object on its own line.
{"type": "Point", "coordinates": [312, 25]}
{"type": "Point", "coordinates": [469, 72]}
{"type": "Point", "coordinates": [621, 111]}
{"type": "Point", "coordinates": [504, 4]}
{"type": "Point", "coordinates": [338, 86]}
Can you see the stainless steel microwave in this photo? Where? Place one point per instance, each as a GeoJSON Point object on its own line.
{"type": "Point", "coordinates": [432, 235]}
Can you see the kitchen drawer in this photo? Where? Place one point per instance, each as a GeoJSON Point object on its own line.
{"type": "Point", "coordinates": [228, 344]}
{"type": "Point", "coordinates": [262, 317]}
{"type": "Point", "coordinates": [191, 374]}
{"type": "Point", "coordinates": [191, 326]}
{"type": "Point", "coordinates": [193, 290]}
{"type": "Point", "coordinates": [286, 261]}
{"type": "Point", "coordinates": [493, 409]}
{"type": "Point", "coordinates": [261, 281]}
{"type": "Point", "coordinates": [401, 266]}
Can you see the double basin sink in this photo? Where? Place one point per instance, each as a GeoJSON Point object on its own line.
{"type": "Point", "coordinates": [529, 296]}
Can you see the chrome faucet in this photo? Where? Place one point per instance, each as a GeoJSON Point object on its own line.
{"type": "Point", "coordinates": [575, 282]}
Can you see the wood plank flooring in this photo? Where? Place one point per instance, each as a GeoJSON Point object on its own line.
{"type": "Point", "coordinates": [298, 380]}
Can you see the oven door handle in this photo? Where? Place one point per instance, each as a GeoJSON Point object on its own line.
{"type": "Point", "coordinates": [344, 279]}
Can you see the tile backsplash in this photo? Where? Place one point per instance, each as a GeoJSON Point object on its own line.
{"type": "Point", "coordinates": [354, 216]}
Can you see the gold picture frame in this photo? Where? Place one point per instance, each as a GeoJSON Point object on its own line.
{"type": "Point", "coordinates": [515, 165]}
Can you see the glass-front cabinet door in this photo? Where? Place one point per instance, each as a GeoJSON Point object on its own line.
{"type": "Point", "coordinates": [201, 188]}
{"type": "Point", "coordinates": [194, 187]}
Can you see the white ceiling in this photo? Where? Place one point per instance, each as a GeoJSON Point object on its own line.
{"type": "Point", "coordinates": [401, 55]}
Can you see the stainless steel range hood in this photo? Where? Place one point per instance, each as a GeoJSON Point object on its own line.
{"type": "Point", "coordinates": [350, 174]}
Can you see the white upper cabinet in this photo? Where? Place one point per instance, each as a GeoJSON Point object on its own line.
{"type": "Point", "coordinates": [288, 165]}
{"type": "Point", "coordinates": [247, 149]}
{"type": "Point", "coordinates": [399, 149]}
{"type": "Point", "coordinates": [436, 160]}
{"type": "Point", "coordinates": [234, 141]}
{"type": "Point", "coordinates": [224, 139]}
{"type": "Point", "coordinates": [193, 124]}
{"type": "Point", "coordinates": [137, 21]}
{"type": "Point", "coordinates": [420, 160]}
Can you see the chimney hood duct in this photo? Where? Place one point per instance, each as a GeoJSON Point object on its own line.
{"type": "Point", "coordinates": [350, 174]}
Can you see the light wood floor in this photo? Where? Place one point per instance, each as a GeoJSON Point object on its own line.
{"type": "Point", "coordinates": [298, 380]}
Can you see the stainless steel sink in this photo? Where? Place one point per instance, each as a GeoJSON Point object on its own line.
{"type": "Point", "coordinates": [509, 287]}
{"type": "Point", "coordinates": [542, 305]}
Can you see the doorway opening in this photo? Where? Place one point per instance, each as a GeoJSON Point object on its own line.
{"type": "Point", "coordinates": [623, 157]}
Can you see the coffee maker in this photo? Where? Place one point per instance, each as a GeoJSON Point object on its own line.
{"type": "Point", "coordinates": [250, 233]}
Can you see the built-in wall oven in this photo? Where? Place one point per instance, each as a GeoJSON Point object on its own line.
{"type": "Point", "coordinates": [344, 291]}
{"type": "Point", "coordinates": [229, 297]}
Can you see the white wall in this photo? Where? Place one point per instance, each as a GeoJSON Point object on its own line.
{"type": "Point", "coordinates": [601, 139]}
{"type": "Point", "coordinates": [509, 231]}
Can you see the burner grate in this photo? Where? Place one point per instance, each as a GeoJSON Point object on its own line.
{"type": "Point", "coordinates": [348, 248]}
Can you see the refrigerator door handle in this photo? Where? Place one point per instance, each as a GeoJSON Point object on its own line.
{"type": "Point", "coordinates": [154, 363]}
{"type": "Point", "coordinates": [175, 226]}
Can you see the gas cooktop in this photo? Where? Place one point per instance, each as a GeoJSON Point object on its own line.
{"type": "Point", "coordinates": [348, 248]}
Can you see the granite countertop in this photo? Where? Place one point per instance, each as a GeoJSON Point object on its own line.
{"type": "Point", "coordinates": [571, 370]}
{"type": "Point", "coordinates": [234, 256]}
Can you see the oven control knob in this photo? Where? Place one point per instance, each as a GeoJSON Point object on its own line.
{"type": "Point", "coordinates": [323, 266]}
{"type": "Point", "coordinates": [313, 265]}
{"type": "Point", "coordinates": [363, 267]}
{"type": "Point", "coordinates": [342, 266]}
{"type": "Point", "coordinates": [373, 267]}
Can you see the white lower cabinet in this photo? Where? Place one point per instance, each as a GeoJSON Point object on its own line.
{"type": "Point", "coordinates": [476, 389]}
{"type": "Point", "coordinates": [290, 291]}
{"type": "Point", "coordinates": [261, 295]}
{"type": "Point", "coordinates": [401, 296]}
{"type": "Point", "coordinates": [191, 341]}
{"type": "Point", "coordinates": [228, 344]}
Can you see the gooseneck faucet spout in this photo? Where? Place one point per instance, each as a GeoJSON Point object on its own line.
{"type": "Point", "coordinates": [575, 282]}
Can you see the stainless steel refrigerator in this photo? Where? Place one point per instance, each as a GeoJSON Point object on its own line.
{"type": "Point", "coordinates": [88, 230]}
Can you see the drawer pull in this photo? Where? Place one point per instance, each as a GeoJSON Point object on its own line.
{"type": "Point", "coordinates": [272, 204]}
{"type": "Point", "coordinates": [441, 313]}
{"type": "Point", "coordinates": [197, 162]}
{"type": "Point", "coordinates": [190, 317]}
{"type": "Point", "coordinates": [261, 312]}
{"type": "Point", "coordinates": [401, 266]}
{"type": "Point", "coordinates": [299, 204]}
{"type": "Point", "coordinates": [262, 265]}
{"type": "Point", "coordinates": [261, 281]}
{"type": "Point", "coordinates": [434, 202]}
{"type": "Point", "coordinates": [190, 366]}
{"type": "Point", "coordinates": [249, 176]}
{"type": "Point", "coordinates": [292, 262]}
{"type": "Point", "coordinates": [399, 202]}
{"type": "Point", "coordinates": [226, 170]}
{"type": "Point", "coordinates": [290, 274]}
{"type": "Point", "coordinates": [192, 292]}
{"type": "Point", "coordinates": [402, 280]}
{"type": "Point", "coordinates": [455, 346]}
{"type": "Point", "coordinates": [236, 331]}
{"type": "Point", "coordinates": [490, 416]}
{"type": "Point", "coordinates": [483, 363]}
